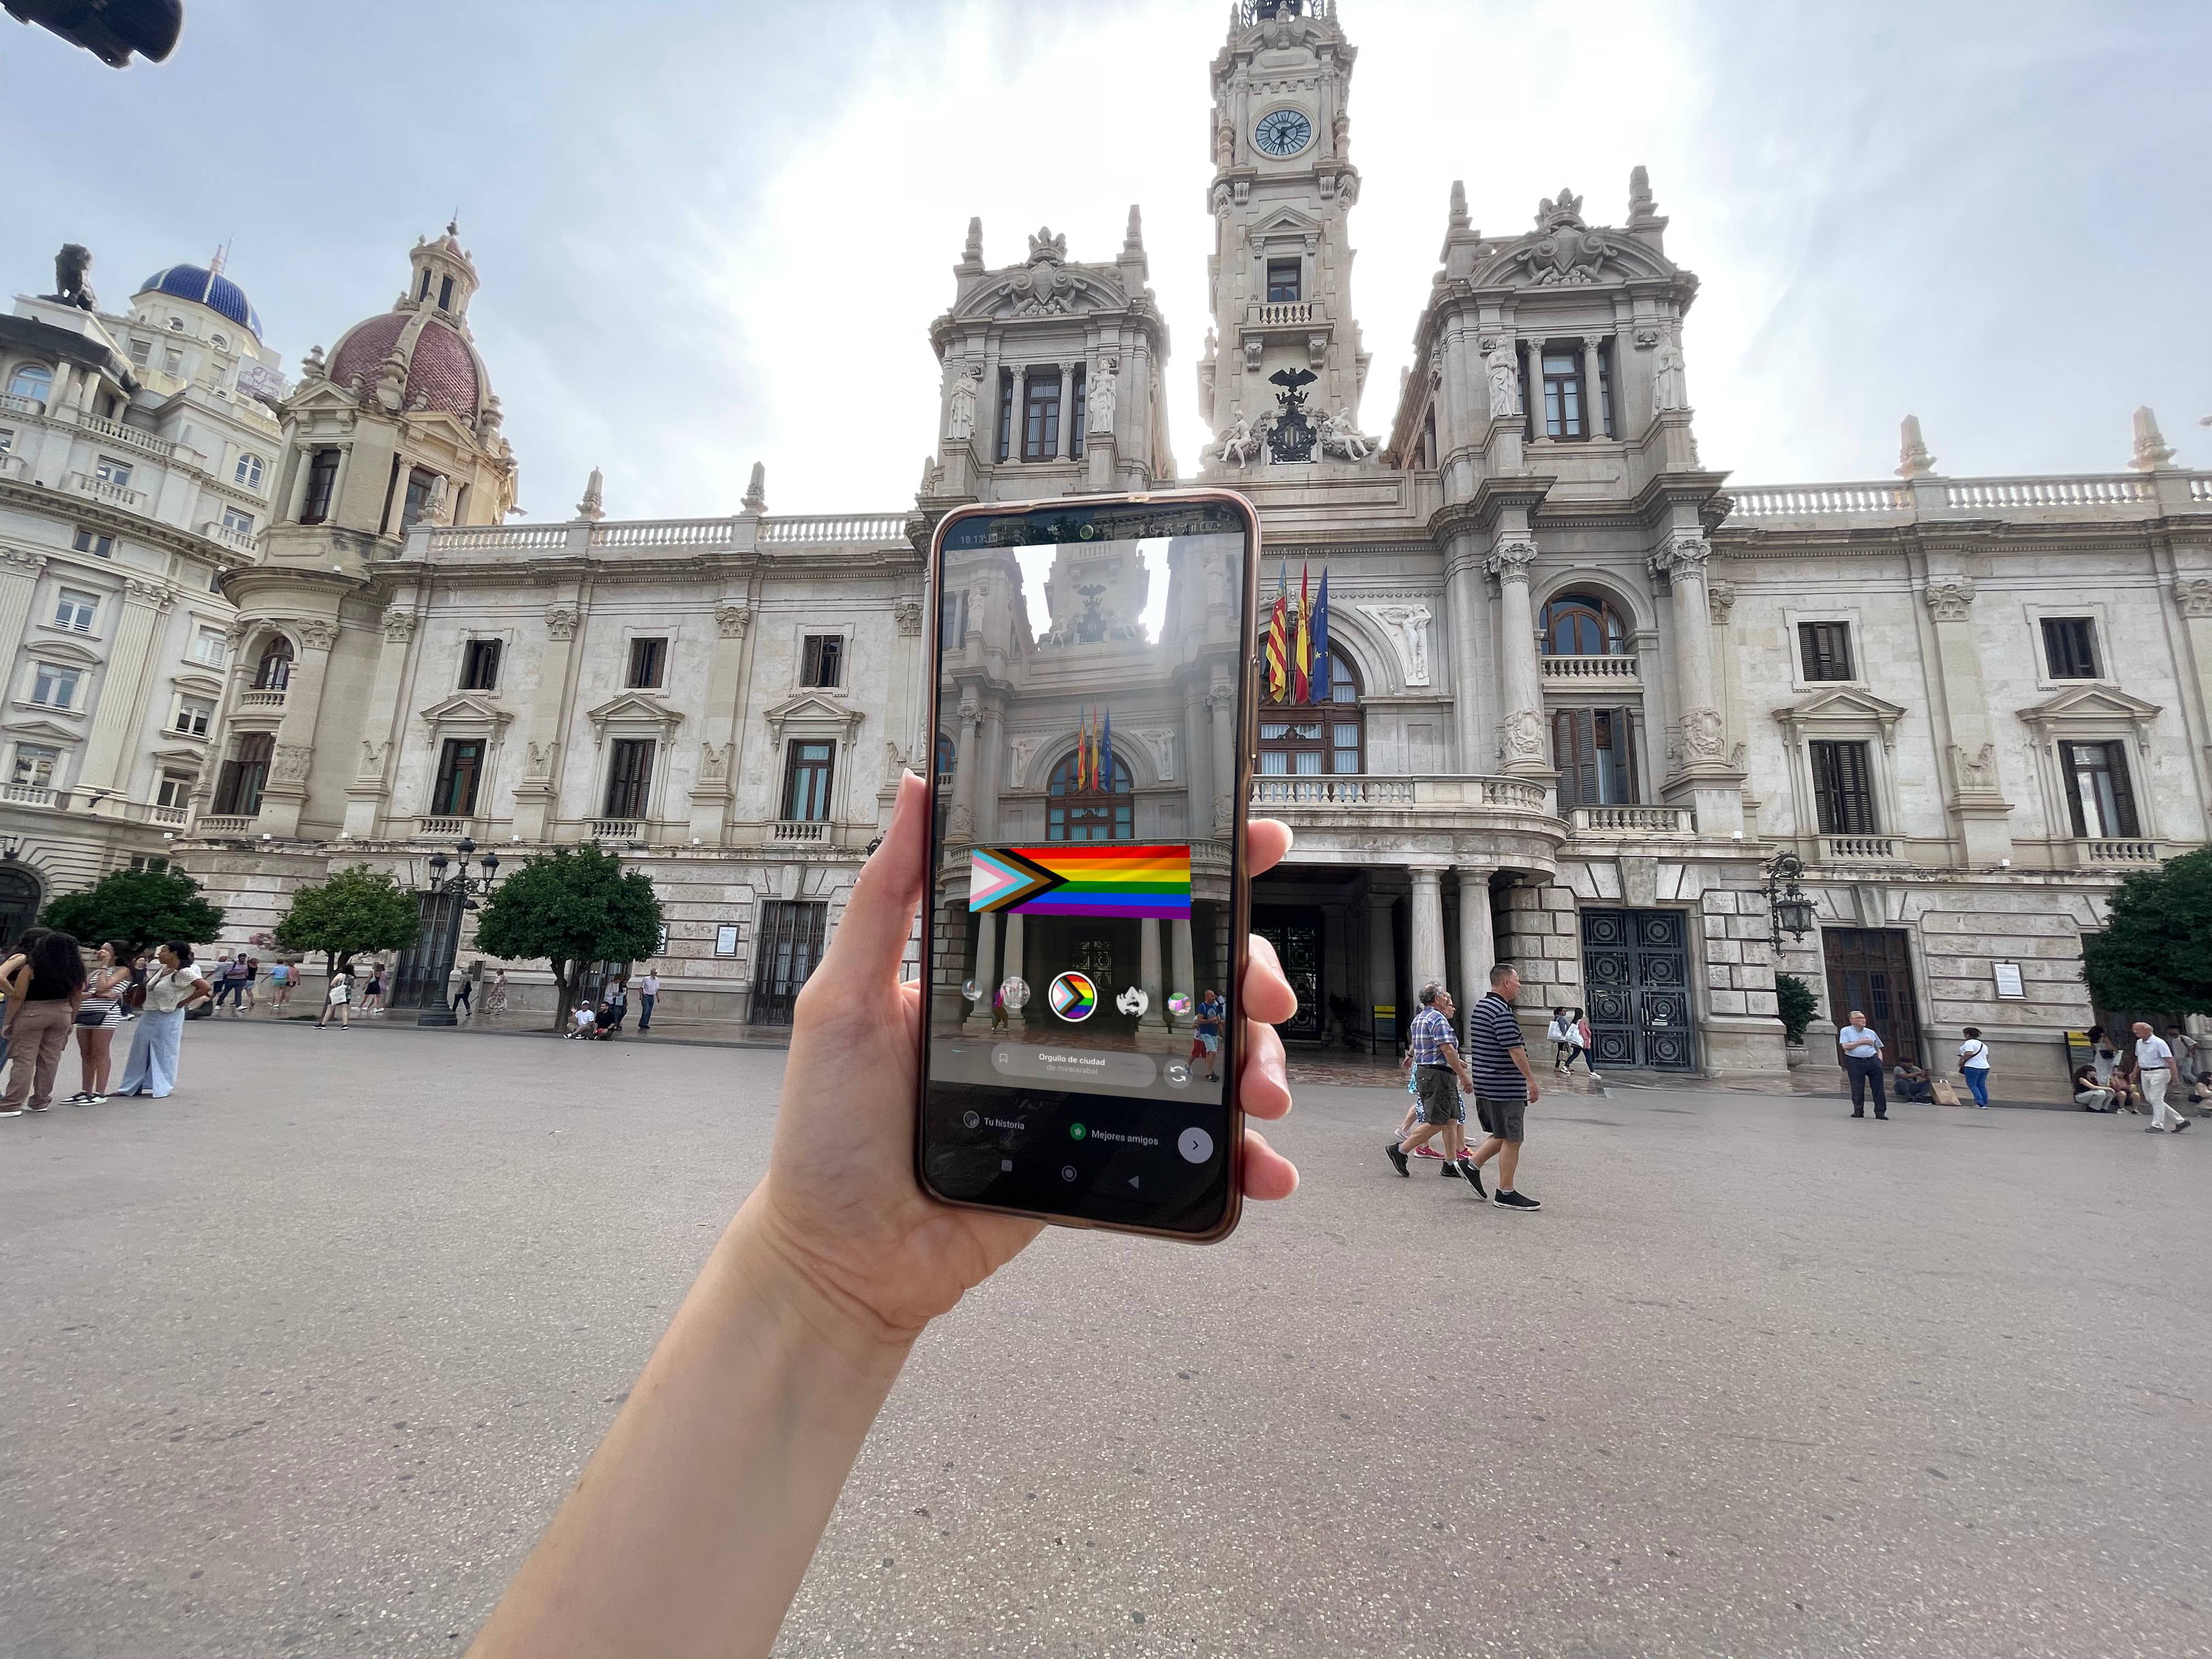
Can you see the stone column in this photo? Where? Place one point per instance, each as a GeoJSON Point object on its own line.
{"type": "Point", "coordinates": [1197, 766]}
{"type": "Point", "coordinates": [110, 749]}
{"type": "Point", "coordinates": [1521, 728]}
{"type": "Point", "coordinates": [1183, 962]}
{"type": "Point", "coordinates": [1066, 446]}
{"type": "Point", "coordinates": [1428, 942]}
{"type": "Point", "coordinates": [990, 776]}
{"type": "Point", "coordinates": [536, 797]}
{"type": "Point", "coordinates": [1975, 794]}
{"type": "Point", "coordinates": [986, 966]}
{"type": "Point", "coordinates": [1533, 403]}
{"type": "Point", "coordinates": [384, 730]}
{"type": "Point", "coordinates": [1148, 973]}
{"type": "Point", "coordinates": [967, 761]}
{"type": "Point", "coordinates": [1478, 945]}
{"type": "Point", "coordinates": [1594, 410]}
{"type": "Point", "coordinates": [19, 585]}
{"type": "Point", "coordinates": [1222, 699]}
{"type": "Point", "coordinates": [715, 785]}
{"type": "Point", "coordinates": [1382, 960]}
{"type": "Point", "coordinates": [2192, 594]}
{"type": "Point", "coordinates": [285, 797]}
{"type": "Point", "coordinates": [1466, 597]}
{"type": "Point", "coordinates": [1703, 771]}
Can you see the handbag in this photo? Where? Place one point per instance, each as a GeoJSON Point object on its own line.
{"type": "Point", "coordinates": [1939, 1090]}
{"type": "Point", "coordinates": [94, 1010]}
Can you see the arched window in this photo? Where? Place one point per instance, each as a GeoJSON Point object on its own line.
{"type": "Point", "coordinates": [275, 670]}
{"type": "Point", "coordinates": [249, 470]}
{"type": "Point", "coordinates": [1090, 813]}
{"type": "Point", "coordinates": [1583, 625]}
{"type": "Point", "coordinates": [1308, 740]}
{"type": "Point", "coordinates": [32, 380]}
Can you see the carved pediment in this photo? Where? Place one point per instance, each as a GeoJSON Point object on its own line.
{"type": "Point", "coordinates": [40, 731]}
{"type": "Point", "coordinates": [1567, 253]}
{"type": "Point", "coordinates": [61, 650]}
{"type": "Point", "coordinates": [811, 713]}
{"type": "Point", "coordinates": [1285, 221]}
{"type": "Point", "coordinates": [2087, 710]}
{"type": "Point", "coordinates": [466, 708]}
{"type": "Point", "coordinates": [1838, 710]}
{"type": "Point", "coordinates": [200, 685]}
{"type": "Point", "coordinates": [634, 709]}
{"type": "Point", "coordinates": [1043, 288]}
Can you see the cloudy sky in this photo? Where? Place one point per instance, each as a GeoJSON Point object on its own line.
{"type": "Point", "coordinates": [715, 233]}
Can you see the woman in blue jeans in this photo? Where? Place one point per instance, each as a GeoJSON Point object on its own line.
{"type": "Point", "coordinates": [173, 986]}
{"type": "Point", "coordinates": [1974, 1062]}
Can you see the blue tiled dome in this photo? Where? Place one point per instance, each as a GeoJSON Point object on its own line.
{"type": "Point", "coordinates": [208, 287]}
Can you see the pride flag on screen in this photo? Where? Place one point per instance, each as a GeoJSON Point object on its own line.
{"type": "Point", "coordinates": [1102, 879]}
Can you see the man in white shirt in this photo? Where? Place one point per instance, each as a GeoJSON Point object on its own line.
{"type": "Point", "coordinates": [648, 992]}
{"type": "Point", "coordinates": [1862, 1054]}
{"type": "Point", "coordinates": [2154, 1070]}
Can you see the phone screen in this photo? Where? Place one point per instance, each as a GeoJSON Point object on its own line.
{"type": "Point", "coordinates": [1092, 677]}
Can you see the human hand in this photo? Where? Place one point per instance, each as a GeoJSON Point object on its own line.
{"type": "Point", "coordinates": [841, 1204]}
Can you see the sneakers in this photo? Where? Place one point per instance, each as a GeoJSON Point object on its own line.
{"type": "Point", "coordinates": [11, 1111]}
{"type": "Point", "coordinates": [80, 1098]}
{"type": "Point", "coordinates": [1506, 1200]}
{"type": "Point", "coordinates": [2184, 1124]}
{"type": "Point", "coordinates": [1474, 1178]}
{"type": "Point", "coordinates": [48, 1107]}
{"type": "Point", "coordinates": [1594, 1077]}
{"type": "Point", "coordinates": [1450, 1170]}
{"type": "Point", "coordinates": [1398, 1158]}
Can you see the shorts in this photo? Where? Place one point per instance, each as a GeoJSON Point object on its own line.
{"type": "Point", "coordinates": [1505, 1119]}
{"type": "Point", "coordinates": [1438, 1090]}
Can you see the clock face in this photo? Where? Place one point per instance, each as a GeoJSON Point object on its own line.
{"type": "Point", "coordinates": [1282, 132]}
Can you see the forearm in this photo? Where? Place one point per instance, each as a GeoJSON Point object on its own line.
{"type": "Point", "coordinates": [693, 1524]}
{"type": "Point", "coordinates": [1521, 1064]}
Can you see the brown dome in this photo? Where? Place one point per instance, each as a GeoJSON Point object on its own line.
{"type": "Point", "coordinates": [443, 367]}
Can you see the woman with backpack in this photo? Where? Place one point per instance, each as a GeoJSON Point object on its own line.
{"type": "Point", "coordinates": [174, 988]}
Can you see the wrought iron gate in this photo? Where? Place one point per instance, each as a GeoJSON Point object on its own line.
{"type": "Point", "coordinates": [791, 939]}
{"type": "Point", "coordinates": [1297, 936]}
{"type": "Point", "coordinates": [1636, 966]}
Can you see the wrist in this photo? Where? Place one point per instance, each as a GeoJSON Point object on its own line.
{"type": "Point", "coordinates": [774, 1267]}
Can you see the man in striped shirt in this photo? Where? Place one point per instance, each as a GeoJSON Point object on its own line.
{"type": "Point", "coordinates": [1438, 1076]}
{"type": "Point", "coordinates": [1505, 1087]}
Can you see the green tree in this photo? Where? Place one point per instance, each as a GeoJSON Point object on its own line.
{"type": "Point", "coordinates": [1795, 1000]}
{"type": "Point", "coordinates": [2156, 954]}
{"type": "Point", "coordinates": [357, 909]}
{"type": "Point", "coordinates": [136, 909]}
{"type": "Point", "coordinates": [570, 907]}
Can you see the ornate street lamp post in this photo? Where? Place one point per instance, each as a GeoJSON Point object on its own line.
{"type": "Point", "coordinates": [1788, 910]}
{"type": "Point", "coordinates": [425, 968]}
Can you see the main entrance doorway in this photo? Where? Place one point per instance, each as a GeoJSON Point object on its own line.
{"type": "Point", "coordinates": [19, 901]}
{"type": "Point", "coordinates": [1870, 969]}
{"type": "Point", "coordinates": [791, 937]}
{"type": "Point", "coordinates": [1637, 964]}
{"type": "Point", "coordinates": [1295, 931]}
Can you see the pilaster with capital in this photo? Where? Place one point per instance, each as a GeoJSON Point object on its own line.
{"type": "Point", "coordinates": [384, 724]}
{"type": "Point", "coordinates": [713, 787]}
{"type": "Point", "coordinates": [967, 769]}
{"type": "Point", "coordinates": [536, 797]}
{"type": "Point", "coordinates": [1467, 606]}
{"type": "Point", "coordinates": [2192, 597]}
{"type": "Point", "coordinates": [19, 585]}
{"type": "Point", "coordinates": [110, 749]}
{"type": "Point", "coordinates": [285, 798]}
{"type": "Point", "coordinates": [1221, 698]}
{"type": "Point", "coordinates": [1704, 772]}
{"type": "Point", "coordinates": [1520, 745]}
{"type": "Point", "coordinates": [1972, 791]}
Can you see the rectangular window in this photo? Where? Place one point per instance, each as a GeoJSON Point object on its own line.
{"type": "Point", "coordinates": [423, 293]}
{"type": "Point", "coordinates": [806, 780]}
{"type": "Point", "coordinates": [109, 470]}
{"type": "Point", "coordinates": [420, 483]}
{"type": "Point", "coordinates": [2098, 798]}
{"type": "Point", "coordinates": [209, 647]}
{"type": "Point", "coordinates": [824, 661]}
{"type": "Point", "coordinates": [1843, 789]}
{"type": "Point", "coordinates": [1285, 282]}
{"type": "Point", "coordinates": [952, 620]}
{"type": "Point", "coordinates": [1005, 412]}
{"type": "Point", "coordinates": [648, 662]}
{"type": "Point", "coordinates": [35, 766]}
{"type": "Point", "coordinates": [140, 351]}
{"type": "Point", "coordinates": [460, 763]}
{"type": "Point", "coordinates": [322, 484]}
{"type": "Point", "coordinates": [1563, 395]}
{"type": "Point", "coordinates": [1429, 439]}
{"type": "Point", "coordinates": [175, 788]}
{"type": "Point", "coordinates": [194, 716]}
{"type": "Point", "coordinates": [1826, 648]}
{"type": "Point", "coordinates": [143, 861]}
{"type": "Point", "coordinates": [1041, 418]}
{"type": "Point", "coordinates": [238, 786]}
{"type": "Point", "coordinates": [76, 611]}
{"type": "Point", "coordinates": [53, 686]}
{"type": "Point", "coordinates": [238, 522]}
{"type": "Point", "coordinates": [1594, 749]}
{"type": "Point", "coordinates": [7, 439]}
{"type": "Point", "coordinates": [91, 541]}
{"type": "Point", "coordinates": [630, 774]}
{"type": "Point", "coordinates": [445, 294]}
{"type": "Point", "coordinates": [173, 360]}
{"type": "Point", "coordinates": [480, 666]}
{"type": "Point", "coordinates": [2069, 648]}
{"type": "Point", "coordinates": [1605, 415]}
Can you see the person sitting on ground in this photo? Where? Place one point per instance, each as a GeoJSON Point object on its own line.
{"type": "Point", "coordinates": [583, 1023]}
{"type": "Point", "coordinates": [1910, 1082]}
{"type": "Point", "coordinates": [2088, 1094]}
{"type": "Point", "coordinates": [2127, 1094]}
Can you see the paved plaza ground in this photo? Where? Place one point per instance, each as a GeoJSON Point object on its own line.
{"type": "Point", "coordinates": [300, 1360]}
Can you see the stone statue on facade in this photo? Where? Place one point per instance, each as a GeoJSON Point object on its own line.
{"type": "Point", "coordinates": [962, 426]}
{"type": "Point", "coordinates": [1666, 389]}
{"type": "Point", "coordinates": [1504, 378]}
{"type": "Point", "coordinates": [1342, 438]}
{"type": "Point", "coordinates": [1099, 406]}
{"type": "Point", "coordinates": [1240, 444]}
{"type": "Point", "coordinates": [71, 266]}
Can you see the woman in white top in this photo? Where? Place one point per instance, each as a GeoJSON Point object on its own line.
{"type": "Point", "coordinates": [1974, 1061]}
{"type": "Point", "coordinates": [172, 986]}
{"type": "Point", "coordinates": [97, 1017]}
{"type": "Point", "coordinates": [338, 999]}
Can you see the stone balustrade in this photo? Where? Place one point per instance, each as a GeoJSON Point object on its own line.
{"type": "Point", "coordinates": [117, 495]}
{"type": "Point", "coordinates": [11, 403]}
{"type": "Point", "coordinates": [261, 700]}
{"type": "Point", "coordinates": [441, 829]}
{"type": "Point", "coordinates": [799, 830]}
{"type": "Point", "coordinates": [130, 436]}
{"type": "Point", "coordinates": [2087, 494]}
{"type": "Point", "coordinates": [664, 533]}
{"type": "Point", "coordinates": [614, 829]}
{"type": "Point", "coordinates": [28, 795]}
{"type": "Point", "coordinates": [175, 815]}
{"type": "Point", "coordinates": [224, 826]}
{"type": "Point", "coordinates": [1508, 794]}
{"type": "Point", "coordinates": [1619, 670]}
{"type": "Point", "coordinates": [673, 535]}
{"type": "Point", "coordinates": [239, 540]}
{"type": "Point", "coordinates": [2103, 852]}
{"type": "Point", "coordinates": [830, 530]}
{"type": "Point", "coordinates": [1860, 849]}
{"type": "Point", "coordinates": [1286, 313]}
{"type": "Point", "coordinates": [1635, 821]}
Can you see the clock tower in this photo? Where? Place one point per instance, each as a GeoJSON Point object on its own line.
{"type": "Point", "coordinates": [1280, 277]}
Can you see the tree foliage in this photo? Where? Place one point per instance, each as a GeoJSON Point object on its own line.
{"type": "Point", "coordinates": [357, 909]}
{"type": "Point", "coordinates": [2156, 954]}
{"type": "Point", "coordinates": [570, 907]}
{"type": "Point", "coordinates": [1797, 1006]}
{"type": "Point", "coordinates": [136, 909]}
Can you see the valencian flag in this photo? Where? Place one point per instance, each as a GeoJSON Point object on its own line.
{"type": "Point", "coordinates": [1317, 678]}
{"type": "Point", "coordinates": [1301, 649]}
{"type": "Point", "coordinates": [1278, 651]}
{"type": "Point", "coordinates": [1103, 878]}
{"type": "Point", "coordinates": [1083, 752]}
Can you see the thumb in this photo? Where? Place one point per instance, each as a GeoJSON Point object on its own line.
{"type": "Point", "coordinates": [879, 916]}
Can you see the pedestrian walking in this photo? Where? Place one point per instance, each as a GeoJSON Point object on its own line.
{"type": "Point", "coordinates": [998, 1008]}
{"type": "Point", "coordinates": [1439, 1074]}
{"type": "Point", "coordinates": [372, 1000]}
{"type": "Point", "coordinates": [174, 988]}
{"type": "Point", "coordinates": [648, 993]}
{"type": "Point", "coordinates": [1206, 1033]}
{"type": "Point", "coordinates": [1582, 1043]}
{"type": "Point", "coordinates": [44, 988]}
{"type": "Point", "coordinates": [281, 975]}
{"type": "Point", "coordinates": [1974, 1065]}
{"type": "Point", "coordinates": [1861, 1047]}
{"type": "Point", "coordinates": [243, 1003]}
{"type": "Point", "coordinates": [465, 996]}
{"type": "Point", "coordinates": [98, 1018]}
{"type": "Point", "coordinates": [495, 996]}
{"type": "Point", "coordinates": [1505, 1088]}
{"type": "Point", "coordinates": [617, 1008]}
{"type": "Point", "coordinates": [2154, 1072]}
{"type": "Point", "coordinates": [1561, 1032]}
{"type": "Point", "coordinates": [338, 1000]}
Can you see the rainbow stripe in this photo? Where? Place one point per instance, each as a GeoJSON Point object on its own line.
{"type": "Point", "coordinates": [1107, 879]}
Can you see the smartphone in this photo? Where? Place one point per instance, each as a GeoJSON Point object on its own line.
{"type": "Point", "coordinates": [1093, 700]}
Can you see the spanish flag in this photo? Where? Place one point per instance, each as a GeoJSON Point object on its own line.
{"type": "Point", "coordinates": [1278, 652]}
{"type": "Point", "coordinates": [1301, 653]}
